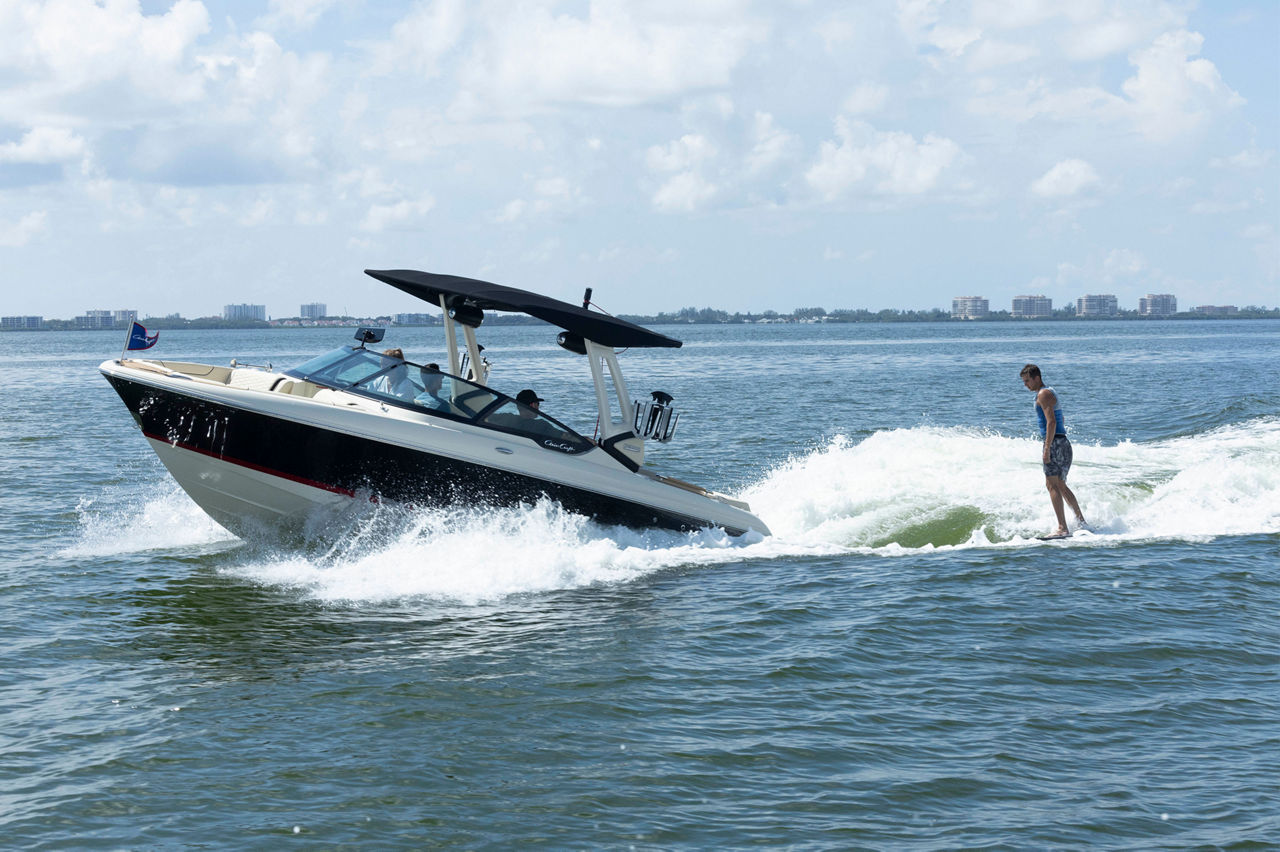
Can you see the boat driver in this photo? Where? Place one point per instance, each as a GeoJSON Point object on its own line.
{"type": "Point", "coordinates": [529, 419]}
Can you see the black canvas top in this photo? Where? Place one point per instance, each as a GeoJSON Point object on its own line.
{"type": "Point", "coordinates": [458, 291]}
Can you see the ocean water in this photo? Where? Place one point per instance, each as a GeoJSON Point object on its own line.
{"type": "Point", "coordinates": [900, 666]}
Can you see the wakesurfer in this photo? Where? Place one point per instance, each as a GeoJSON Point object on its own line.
{"type": "Point", "coordinates": [1056, 458]}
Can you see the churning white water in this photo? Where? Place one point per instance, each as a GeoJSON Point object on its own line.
{"type": "Point", "coordinates": [897, 492]}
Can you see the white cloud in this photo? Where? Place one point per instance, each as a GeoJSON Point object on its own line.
{"type": "Point", "coordinates": [21, 232]}
{"type": "Point", "coordinates": [550, 195]}
{"type": "Point", "coordinates": [771, 145]}
{"type": "Point", "coordinates": [67, 49]}
{"type": "Point", "coordinates": [1172, 92]}
{"type": "Point", "coordinates": [619, 54]}
{"type": "Point", "coordinates": [683, 193]}
{"type": "Point", "coordinates": [923, 22]}
{"type": "Point", "coordinates": [1099, 32]}
{"type": "Point", "coordinates": [687, 151]}
{"type": "Point", "coordinates": [1068, 177]}
{"type": "Point", "coordinates": [992, 53]}
{"type": "Point", "coordinates": [866, 98]}
{"type": "Point", "coordinates": [400, 214]}
{"type": "Point", "coordinates": [258, 213]}
{"type": "Point", "coordinates": [421, 40]}
{"type": "Point", "coordinates": [1250, 158]}
{"type": "Point", "coordinates": [1217, 207]}
{"type": "Point", "coordinates": [879, 162]}
{"type": "Point", "coordinates": [297, 14]}
{"type": "Point", "coordinates": [511, 211]}
{"type": "Point", "coordinates": [1035, 99]}
{"type": "Point", "coordinates": [1015, 14]}
{"type": "Point", "coordinates": [44, 145]}
{"type": "Point", "coordinates": [1122, 263]}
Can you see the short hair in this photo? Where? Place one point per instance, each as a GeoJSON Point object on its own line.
{"type": "Point", "coordinates": [395, 352]}
{"type": "Point", "coordinates": [1030, 370]}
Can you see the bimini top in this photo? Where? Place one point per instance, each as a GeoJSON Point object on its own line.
{"type": "Point", "coordinates": [468, 292]}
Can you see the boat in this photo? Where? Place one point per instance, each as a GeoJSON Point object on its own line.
{"type": "Point", "coordinates": [263, 450]}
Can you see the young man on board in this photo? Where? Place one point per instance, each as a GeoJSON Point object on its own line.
{"type": "Point", "coordinates": [1056, 459]}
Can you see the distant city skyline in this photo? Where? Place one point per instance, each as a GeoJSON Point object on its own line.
{"type": "Point", "coordinates": [181, 156]}
{"type": "Point", "coordinates": [962, 307]}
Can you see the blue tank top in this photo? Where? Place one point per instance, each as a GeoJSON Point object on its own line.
{"type": "Point", "coordinates": [1060, 424]}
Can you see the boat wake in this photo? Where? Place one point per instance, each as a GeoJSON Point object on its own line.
{"type": "Point", "coordinates": [928, 488]}
{"type": "Point", "coordinates": [894, 493]}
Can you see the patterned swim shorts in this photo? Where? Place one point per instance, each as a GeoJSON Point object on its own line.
{"type": "Point", "coordinates": [1059, 457]}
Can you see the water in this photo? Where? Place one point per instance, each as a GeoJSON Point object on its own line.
{"type": "Point", "coordinates": [901, 666]}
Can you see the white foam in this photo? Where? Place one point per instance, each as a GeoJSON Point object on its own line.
{"type": "Point", "coordinates": [122, 521]}
{"type": "Point", "coordinates": [1224, 482]}
{"type": "Point", "coordinates": [895, 493]}
{"type": "Point", "coordinates": [470, 555]}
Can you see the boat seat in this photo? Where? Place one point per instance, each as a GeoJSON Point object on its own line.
{"type": "Point", "coordinates": [248, 379]}
{"type": "Point", "coordinates": [298, 388]}
{"type": "Point", "coordinates": [334, 398]}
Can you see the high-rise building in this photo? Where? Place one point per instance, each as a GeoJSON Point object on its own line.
{"type": "Point", "coordinates": [314, 311]}
{"type": "Point", "coordinates": [97, 319]}
{"type": "Point", "coordinates": [1028, 307]}
{"type": "Point", "coordinates": [1097, 306]}
{"type": "Point", "coordinates": [244, 312]}
{"type": "Point", "coordinates": [969, 307]}
{"type": "Point", "coordinates": [1158, 305]}
{"type": "Point", "coordinates": [21, 323]}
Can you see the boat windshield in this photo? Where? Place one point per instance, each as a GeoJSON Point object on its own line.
{"type": "Point", "coordinates": [341, 368]}
{"type": "Point", "coordinates": [422, 388]}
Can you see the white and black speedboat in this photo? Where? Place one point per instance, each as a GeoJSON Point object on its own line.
{"type": "Point", "coordinates": [260, 449]}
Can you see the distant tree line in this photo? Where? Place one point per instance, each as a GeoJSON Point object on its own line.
{"type": "Point", "coordinates": [714, 316]}
{"type": "Point", "coordinates": [844, 315]}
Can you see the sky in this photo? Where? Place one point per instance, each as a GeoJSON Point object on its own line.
{"type": "Point", "coordinates": [749, 156]}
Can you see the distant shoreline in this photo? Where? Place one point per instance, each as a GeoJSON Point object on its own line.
{"type": "Point", "coordinates": [670, 320]}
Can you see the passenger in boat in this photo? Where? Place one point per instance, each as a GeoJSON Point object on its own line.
{"type": "Point", "coordinates": [395, 382]}
{"type": "Point", "coordinates": [432, 381]}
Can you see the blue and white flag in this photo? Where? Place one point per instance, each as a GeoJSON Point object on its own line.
{"type": "Point", "coordinates": [139, 339]}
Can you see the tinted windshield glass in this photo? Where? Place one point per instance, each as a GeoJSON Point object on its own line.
{"type": "Point", "coordinates": [342, 367]}
{"type": "Point", "coordinates": [431, 389]}
{"type": "Point", "coordinates": [511, 416]}
{"type": "Point", "coordinates": [320, 362]}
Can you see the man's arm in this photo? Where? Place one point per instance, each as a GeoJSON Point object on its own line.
{"type": "Point", "coordinates": [1047, 401]}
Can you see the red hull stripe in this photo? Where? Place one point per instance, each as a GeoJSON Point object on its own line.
{"type": "Point", "coordinates": [301, 480]}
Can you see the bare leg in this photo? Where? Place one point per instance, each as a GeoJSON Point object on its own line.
{"type": "Point", "coordinates": [1054, 483]}
{"type": "Point", "coordinates": [1071, 501]}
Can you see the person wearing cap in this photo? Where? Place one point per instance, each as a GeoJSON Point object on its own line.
{"type": "Point", "coordinates": [530, 400]}
{"type": "Point", "coordinates": [529, 421]}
